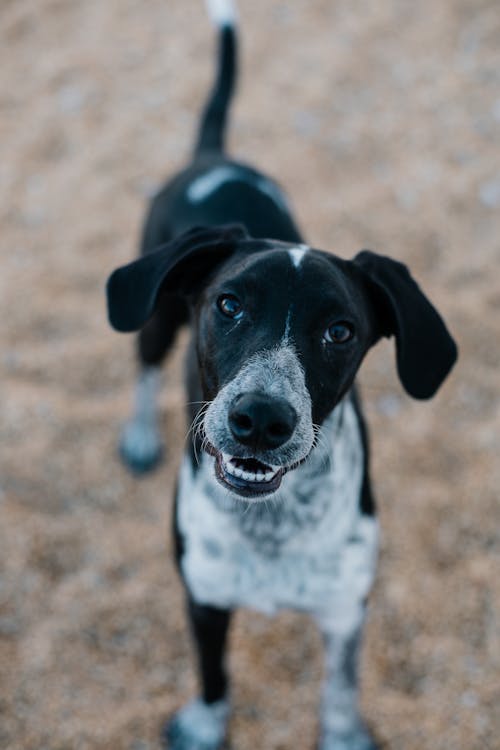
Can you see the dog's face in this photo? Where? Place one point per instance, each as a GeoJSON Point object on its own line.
{"type": "Point", "coordinates": [280, 335]}
{"type": "Point", "coordinates": [280, 332]}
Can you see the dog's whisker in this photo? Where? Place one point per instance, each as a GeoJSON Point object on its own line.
{"type": "Point", "coordinates": [246, 510]}
{"type": "Point", "coordinates": [204, 444]}
{"type": "Point", "coordinates": [199, 438]}
{"type": "Point", "coordinates": [196, 430]}
{"type": "Point", "coordinates": [192, 427]}
{"type": "Point", "coordinates": [198, 418]}
{"type": "Point", "coordinates": [322, 444]}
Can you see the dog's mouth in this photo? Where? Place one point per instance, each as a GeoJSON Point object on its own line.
{"type": "Point", "coordinates": [247, 477]}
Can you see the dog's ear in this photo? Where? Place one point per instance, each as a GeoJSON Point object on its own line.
{"type": "Point", "coordinates": [178, 266]}
{"type": "Point", "coordinates": [425, 351]}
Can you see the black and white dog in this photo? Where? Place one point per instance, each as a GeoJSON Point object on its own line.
{"type": "Point", "coordinates": [279, 332]}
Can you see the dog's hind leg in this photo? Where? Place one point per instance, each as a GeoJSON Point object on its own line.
{"type": "Point", "coordinates": [141, 446]}
{"type": "Point", "coordinates": [202, 723]}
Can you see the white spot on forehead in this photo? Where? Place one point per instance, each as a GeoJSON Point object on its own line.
{"type": "Point", "coordinates": [297, 254]}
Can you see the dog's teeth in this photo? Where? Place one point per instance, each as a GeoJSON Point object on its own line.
{"type": "Point", "coordinates": [234, 466]}
{"type": "Point", "coordinates": [226, 460]}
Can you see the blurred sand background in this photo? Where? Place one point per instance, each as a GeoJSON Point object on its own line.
{"type": "Point", "coordinates": [382, 121]}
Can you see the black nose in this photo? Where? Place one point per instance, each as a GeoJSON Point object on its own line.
{"type": "Point", "coordinates": [261, 421]}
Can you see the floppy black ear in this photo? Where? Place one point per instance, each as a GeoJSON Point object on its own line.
{"type": "Point", "coordinates": [133, 290]}
{"type": "Point", "coordinates": [425, 351]}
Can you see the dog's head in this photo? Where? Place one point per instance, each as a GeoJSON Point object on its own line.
{"type": "Point", "coordinates": [280, 332]}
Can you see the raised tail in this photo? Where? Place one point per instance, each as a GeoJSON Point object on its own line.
{"type": "Point", "coordinates": [213, 121]}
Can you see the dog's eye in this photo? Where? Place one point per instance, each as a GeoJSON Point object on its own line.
{"type": "Point", "coordinates": [230, 306]}
{"type": "Point", "coordinates": [338, 333]}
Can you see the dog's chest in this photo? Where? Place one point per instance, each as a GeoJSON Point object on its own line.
{"type": "Point", "coordinates": [290, 551]}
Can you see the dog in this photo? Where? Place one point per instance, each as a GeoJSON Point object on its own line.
{"type": "Point", "coordinates": [273, 506]}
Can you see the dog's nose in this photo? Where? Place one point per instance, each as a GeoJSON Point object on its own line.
{"type": "Point", "coordinates": [261, 421]}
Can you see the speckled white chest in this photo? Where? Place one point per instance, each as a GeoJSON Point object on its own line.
{"type": "Point", "coordinates": [303, 549]}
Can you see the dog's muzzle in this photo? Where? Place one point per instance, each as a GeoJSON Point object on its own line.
{"type": "Point", "coordinates": [258, 424]}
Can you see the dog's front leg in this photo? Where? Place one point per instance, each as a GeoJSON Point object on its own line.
{"type": "Point", "coordinates": [202, 723]}
{"type": "Point", "coordinates": [141, 446]}
{"type": "Point", "coordinates": [341, 725]}
{"type": "Point", "coordinates": [140, 441]}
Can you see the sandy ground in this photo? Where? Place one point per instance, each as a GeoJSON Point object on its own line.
{"type": "Point", "coordinates": [382, 120]}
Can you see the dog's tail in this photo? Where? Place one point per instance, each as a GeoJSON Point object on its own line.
{"type": "Point", "coordinates": [213, 121]}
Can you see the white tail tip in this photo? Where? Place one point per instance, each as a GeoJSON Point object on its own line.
{"type": "Point", "coordinates": [222, 12]}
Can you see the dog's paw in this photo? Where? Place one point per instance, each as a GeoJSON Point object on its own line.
{"type": "Point", "coordinates": [140, 447]}
{"type": "Point", "coordinates": [359, 739]}
{"type": "Point", "coordinates": [197, 726]}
